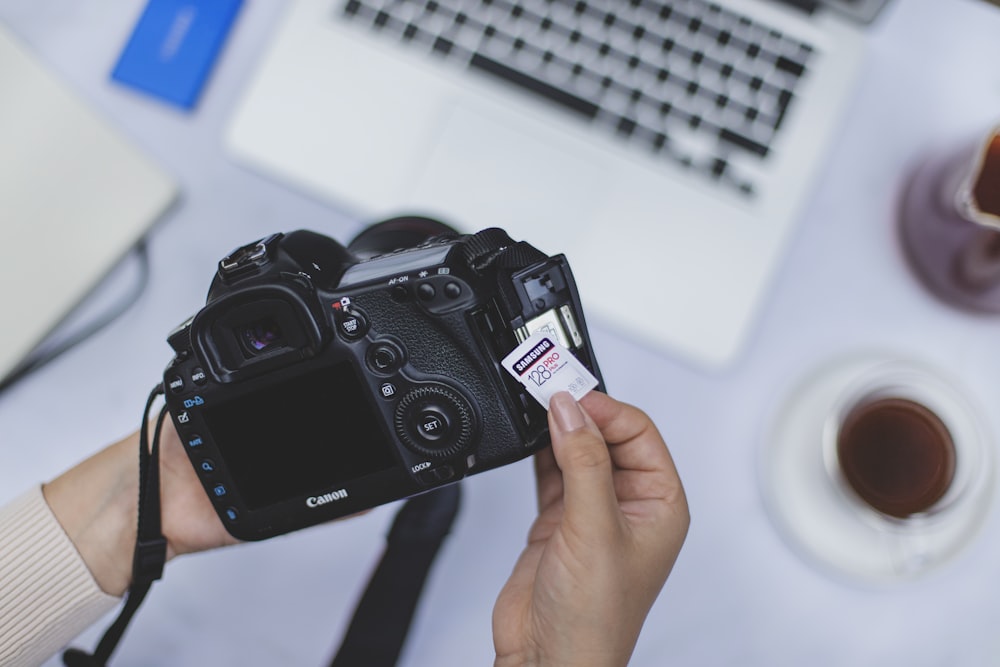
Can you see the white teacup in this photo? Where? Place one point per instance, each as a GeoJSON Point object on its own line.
{"type": "Point", "coordinates": [834, 469]}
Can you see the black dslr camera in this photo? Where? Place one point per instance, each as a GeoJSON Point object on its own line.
{"type": "Point", "coordinates": [319, 380]}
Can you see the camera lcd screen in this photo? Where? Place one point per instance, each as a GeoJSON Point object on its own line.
{"type": "Point", "coordinates": [299, 437]}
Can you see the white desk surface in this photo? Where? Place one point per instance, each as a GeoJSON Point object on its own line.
{"type": "Point", "coordinates": [738, 595]}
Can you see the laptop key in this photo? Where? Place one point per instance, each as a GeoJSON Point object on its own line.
{"type": "Point", "coordinates": [743, 142]}
{"type": "Point", "coordinates": [534, 85]}
{"type": "Point", "coordinates": [788, 65]}
{"type": "Point", "coordinates": [443, 45]}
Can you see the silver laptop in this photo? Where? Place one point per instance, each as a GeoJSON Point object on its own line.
{"type": "Point", "coordinates": [666, 147]}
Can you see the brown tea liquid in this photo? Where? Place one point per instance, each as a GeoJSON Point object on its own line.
{"type": "Point", "coordinates": [897, 455]}
{"type": "Point", "coordinates": [986, 189]}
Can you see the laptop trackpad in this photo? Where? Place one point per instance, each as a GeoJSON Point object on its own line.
{"type": "Point", "coordinates": [489, 169]}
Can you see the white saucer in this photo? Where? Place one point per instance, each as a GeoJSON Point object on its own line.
{"type": "Point", "coordinates": [820, 517]}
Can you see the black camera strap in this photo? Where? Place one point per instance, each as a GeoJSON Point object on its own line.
{"type": "Point", "coordinates": [150, 545]}
{"type": "Point", "coordinates": [383, 615]}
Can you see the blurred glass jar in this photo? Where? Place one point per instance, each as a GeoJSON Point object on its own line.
{"type": "Point", "coordinates": [950, 224]}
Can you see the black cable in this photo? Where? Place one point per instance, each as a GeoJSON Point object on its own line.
{"type": "Point", "coordinates": [48, 351]}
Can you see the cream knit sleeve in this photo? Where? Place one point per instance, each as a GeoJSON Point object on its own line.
{"type": "Point", "coordinates": [47, 594]}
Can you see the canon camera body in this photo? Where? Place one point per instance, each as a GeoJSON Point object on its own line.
{"type": "Point", "coordinates": [321, 380]}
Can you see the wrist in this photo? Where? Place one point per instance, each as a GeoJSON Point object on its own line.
{"type": "Point", "coordinates": [534, 659]}
{"type": "Point", "coordinates": [518, 660]}
{"type": "Point", "coordinates": [96, 503]}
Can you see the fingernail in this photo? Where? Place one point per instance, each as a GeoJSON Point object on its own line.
{"type": "Point", "coordinates": [568, 414]}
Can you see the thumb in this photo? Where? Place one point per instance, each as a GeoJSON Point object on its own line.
{"type": "Point", "coordinates": [582, 455]}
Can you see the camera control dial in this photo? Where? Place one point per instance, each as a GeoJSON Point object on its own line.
{"type": "Point", "coordinates": [434, 420]}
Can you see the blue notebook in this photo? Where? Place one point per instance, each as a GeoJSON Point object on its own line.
{"type": "Point", "coordinates": [173, 47]}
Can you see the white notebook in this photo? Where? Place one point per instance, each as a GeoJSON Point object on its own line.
{"type": "Point", "coordinates": [75, 196]}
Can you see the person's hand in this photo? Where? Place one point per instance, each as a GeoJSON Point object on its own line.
{"type": "Point", "coordinates": [612, 518]}
{"type": "Point", "coordinates": [96, 503]}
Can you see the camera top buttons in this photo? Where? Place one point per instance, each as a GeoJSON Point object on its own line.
{"type": "Point", "coordinates": [443, 293]}
{"type": "Point", "coordinates": [426, 291]}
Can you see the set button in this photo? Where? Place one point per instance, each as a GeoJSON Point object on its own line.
{"type": "Point", "coordinates": [432, 424]}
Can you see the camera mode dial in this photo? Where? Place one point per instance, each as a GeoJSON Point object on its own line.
{"type": "Point", "coordinates": [434, 421]}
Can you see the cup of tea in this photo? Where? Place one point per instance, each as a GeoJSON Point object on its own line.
{"type": "Point", "coordinates": [879, 468]}
{"type": "Point", "coordinates": [899, 442]}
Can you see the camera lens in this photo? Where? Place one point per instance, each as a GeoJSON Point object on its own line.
{"type": "Point", "coordinates": [397, 233]}
{"type": "Point", "coordinates": [261, 335]}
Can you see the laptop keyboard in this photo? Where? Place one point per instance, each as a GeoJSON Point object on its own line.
{"type": "Point", "coordinates": [695, 83]}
